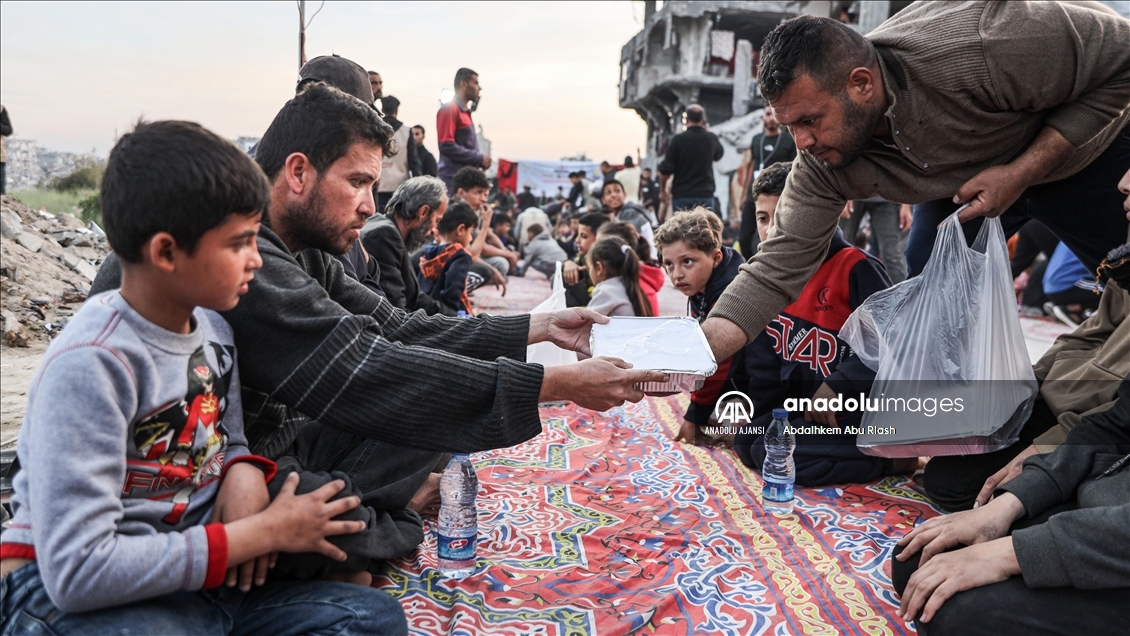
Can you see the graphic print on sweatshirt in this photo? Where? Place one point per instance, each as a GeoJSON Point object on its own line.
{"type": "Point", "coordinates": [180, 447]}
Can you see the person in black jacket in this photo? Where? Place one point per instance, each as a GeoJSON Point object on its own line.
{"type": "Point", "coordinates": [427, 159]}
{"type": "Point", "coordinates": [389, 238]}
{"type": "Point", "coordinates": [690, 161]}
{"type": "Point", "coordinates": [1050, 554]}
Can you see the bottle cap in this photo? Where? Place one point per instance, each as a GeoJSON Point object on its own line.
{"type": "Point", "coordinates": [780, 414]}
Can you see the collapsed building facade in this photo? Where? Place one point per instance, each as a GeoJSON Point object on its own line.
{"type": "Point", "coordinates": [707, 53]}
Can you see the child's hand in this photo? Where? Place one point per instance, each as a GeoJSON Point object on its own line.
{"type": "Point", "coordinates": [826, 417]}
{"type": "Point", "coordinates": [687, 432]}
{"type": "Point", "coordinates": [244, 493]}
{"type": "Point", "coordinates": [301, 523]}
{"type": "Point", "coordinates": [570, 273]}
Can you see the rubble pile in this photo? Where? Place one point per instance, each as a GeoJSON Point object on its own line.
{"type": "Point", "coordinates": [48, 263]}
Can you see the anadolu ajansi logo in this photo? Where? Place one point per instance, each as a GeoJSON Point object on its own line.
{"type": "Point", "coordinates": [731, 411]}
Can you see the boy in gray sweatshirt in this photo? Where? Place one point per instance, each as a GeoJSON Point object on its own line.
{"type": "Point", "coordinates": [139, 499]}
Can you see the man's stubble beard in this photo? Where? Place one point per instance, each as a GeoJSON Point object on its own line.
{"type": "Point", "coordinates": [860, 125]}
{"type": "Point", "coordinates": [306, 224]}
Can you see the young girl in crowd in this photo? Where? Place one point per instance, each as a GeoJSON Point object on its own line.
{"type": "Point", "coordinates": [651, 275]}
{"type": "Point", "coordinates": [615, 268]}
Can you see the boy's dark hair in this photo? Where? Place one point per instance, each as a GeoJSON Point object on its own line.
{"type": "Point", "coordinates": [700, 228]}
{"type": "Point", "coordinates": [593, 221]}
{"type": "Point", "coordinates": [463, 75]}
{"type": "Point", "coordinates": [322, 123]}
{"type": "Point", "coordinates": [422, 129]}
{"type": "Point", "coordinates": [619, 259]}
{"type": "Point", "coordinates": [771, 181]}
{"type": "Point", "coordinates": [458, 213]}
{"type": "Point", "coordinates": [390, 104]}
{"type": "Point", "coordinates": [499, 220]}
{"type": "Point", "coordinates": [631, 236]}
{"type": "Point", "coordinates": [176, 177]}
{"type": "Point", "coordinates": [609, 182]}
{"type": "Point", "coordinates": [469, 178]}
{"type": "Point", "coordinates": [535, 229]}
{"type": "Point", "coordinates": [822, 48]}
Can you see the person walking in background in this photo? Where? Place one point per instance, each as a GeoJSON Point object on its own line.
{"type": "Point", "coordinates": [771, 146]}
{"type": "Point", "coordinates": [629, 178]}
{"type": "Point", "coordinates": [689, 164]}
{"type": "Point", "coordinates": [455, 130]}
{"type": "Point", "coordinates": [398, 168]}
{"type": "Point", "coordinates": [5, 131]}
{"type": "Point", "coordinates": [428, 166]}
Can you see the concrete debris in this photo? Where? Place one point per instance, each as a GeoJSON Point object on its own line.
{"type": "Point", "coordinates": [30, 241]}
{"type": "Point", "coordinates": [49, 262]}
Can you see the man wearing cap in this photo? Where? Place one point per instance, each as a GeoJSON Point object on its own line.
{"type": "Point", "coordinates": [455, 131]}
{"type": "Point", "coordinates": [348, 77]}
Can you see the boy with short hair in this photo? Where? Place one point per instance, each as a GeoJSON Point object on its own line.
{"type": "Point", "coordinates": [138, 494]}
{"type": "Point", "coordinates": [578, 285]}
{"type": "Point", "coordinates": [444, 266]}
{"type": "Point", "coordinates": [800, 355]}
{"type": "Point", "coordinates": [486, 250]}
{"type": "Point", "coordinates": [691, 251]}
{"type": "Point", "coordinates": [542, 252]}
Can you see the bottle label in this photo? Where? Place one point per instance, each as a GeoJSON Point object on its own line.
{"type": "Point", "coordinates": [777, 491]}
{"type": "Point", "coordinates": [457, 548]}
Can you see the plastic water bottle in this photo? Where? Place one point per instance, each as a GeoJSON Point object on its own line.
{"type": "Point", "coordinates": [458, 527]}
{"type": "Point", "coordinates": [779, 471]}
{"type": "Point", "coordinates": [462, 314]}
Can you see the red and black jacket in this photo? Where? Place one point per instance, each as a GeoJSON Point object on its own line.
{"type": "Point", "coordinates": [801, 349]}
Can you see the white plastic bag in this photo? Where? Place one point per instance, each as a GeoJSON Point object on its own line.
{"type": "Point", "coordinates": [548, 354]}
{"type": "Point", "coordinates": [951, 333]}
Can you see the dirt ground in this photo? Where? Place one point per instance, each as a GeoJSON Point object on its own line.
{"type": "Point", "coordinates": [17, 366]}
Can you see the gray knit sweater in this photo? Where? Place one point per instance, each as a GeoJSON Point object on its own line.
{"type": "Point", "coordinates": [313, 343]}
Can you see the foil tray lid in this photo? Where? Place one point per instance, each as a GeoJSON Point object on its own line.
{"type": "Point", "coordinates": [671, 344]}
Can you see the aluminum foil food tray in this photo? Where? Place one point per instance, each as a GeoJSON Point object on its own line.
{"type": "Point", "coordinates": [674, 345]}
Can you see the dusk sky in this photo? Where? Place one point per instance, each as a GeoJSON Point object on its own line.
{"type": "Point", "coordinates": [71, 74]}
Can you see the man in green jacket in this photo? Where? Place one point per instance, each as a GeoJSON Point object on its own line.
{"type": "Point", "coordinates": [1017, 108]}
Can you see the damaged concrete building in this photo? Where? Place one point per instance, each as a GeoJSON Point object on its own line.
{"type": "Point", "coordinates": [707, 53]}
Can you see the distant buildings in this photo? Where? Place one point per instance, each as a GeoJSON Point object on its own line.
{"type": "Point", "coordinates": [30, 166]}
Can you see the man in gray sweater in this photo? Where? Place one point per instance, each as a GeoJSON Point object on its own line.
{"type": "Point", "coordinates": [331, 370]}
{"type": "Point", "coordinates": [1050, 554]}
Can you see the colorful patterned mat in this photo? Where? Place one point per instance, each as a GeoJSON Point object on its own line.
{"type": "Point", "coordinates": [603, 525]}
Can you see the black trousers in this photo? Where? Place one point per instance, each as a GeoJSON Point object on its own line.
{"type": "Point", "coordinates": [384, 476]}
{"type": "Point", "coordinates": [820, 460]}
{"type": "Point", "coordinates": [1083, 210]}
{"type": "Point", "coordinates": [954, 481]}
{"type": "Point", "coordinates": [1011, 607]}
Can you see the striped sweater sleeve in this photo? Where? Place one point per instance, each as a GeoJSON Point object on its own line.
{"type": "Point", "coordinates": [315, 340]}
